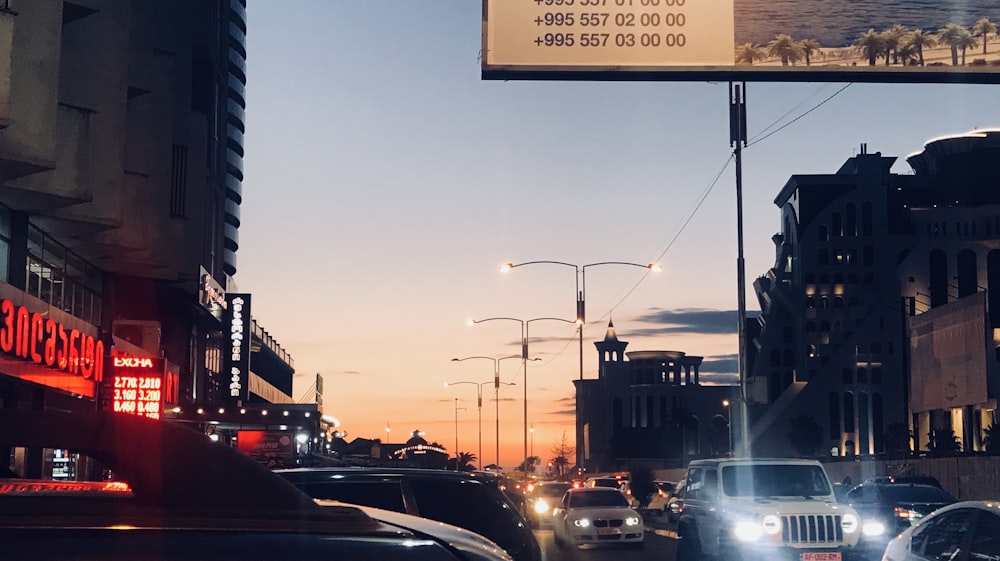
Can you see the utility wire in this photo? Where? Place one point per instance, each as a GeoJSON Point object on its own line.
{"type": "Point", "coordinates": [715, 181]}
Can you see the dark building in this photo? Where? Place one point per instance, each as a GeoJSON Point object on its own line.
{"type": "Point", "coordinates": [843, 342]}
{"type": "Point", "coordinates": [648, 407]}
{"type": "Point", "coordinates": [121, 164]}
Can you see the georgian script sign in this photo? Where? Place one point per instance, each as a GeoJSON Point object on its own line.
{"type": "Point", "coordinates": [33, 338]}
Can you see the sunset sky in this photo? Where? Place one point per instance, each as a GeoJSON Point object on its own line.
{"type": "Point", "coordinates": [386, 183]}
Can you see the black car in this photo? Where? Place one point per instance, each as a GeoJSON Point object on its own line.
{"type": "Point", "coordinates": [176, 496]}
{"type": "Point", "coordinates": [887, 509]}
{"type": "Point", "coordinates": [539, 502]}
{"type": "Point", "coordinates": [473, 501]}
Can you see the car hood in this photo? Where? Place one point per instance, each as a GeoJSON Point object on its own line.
{"type": "Point", "coordinates": [474, 546]}
{"type": "Point", "coordinates": [787, 505]}
{"type": "Point", "coordinates": [603, 512]}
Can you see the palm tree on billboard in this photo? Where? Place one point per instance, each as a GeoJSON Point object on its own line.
{"type": "Point", "coordinates": [810, 46]}
{"type": "Point", "coordinates": [871, 45]}
{"type": "Point", "coordinates": [984, 28]}
{"type": "Point", "coordinates": [785, 48]}
{"type": "Point", "coordinates": [748, 53]}
{"type": "Point", "coordinates": [957, 37]}
{"type": "Point", "coordinates": [891, 40]}
{"type": "Point", "coordinates": [919, 40]}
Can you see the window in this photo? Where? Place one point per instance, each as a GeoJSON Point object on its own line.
{"type": "Point", "coordinates": [986, 538]}
{"type": "Point", "coordinates": [941, 538]}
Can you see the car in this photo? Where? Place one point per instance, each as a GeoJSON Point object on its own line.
{"type": "Point", "coordinates": [540, 502]}
{"type": "Point", "coordinates": [470, 500]}
{"type": "Point", "coordinates": [596, 516]}
{"type": "Point", "coordinates": [657, 503]}
{"type": "Point", "coordinates": [763, 508]}
{"type": "Point", "coordinates": [886, 509]}
{"type": "Point", "coordinates": [914, 478]}
{"type": "Point", "coordinates": [175, 496]}
{"type": "Point", "coordinates": [962, 531]}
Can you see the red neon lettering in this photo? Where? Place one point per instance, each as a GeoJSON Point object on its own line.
{"type": "Point", "coordinates": [87, 356]}
{"type": "Point", "coordinates": [74, 352]}
{"type": "Point", "coordinates": [7, 330]}
{"type": "Point", "coordinates": [21, 338]}
{"type": "Point", "coordinates": [99, 361]}
{"type": "Point", "coordinates": [50, 343]}
{"type": "Point", "coordinates": [62, 354]}
{"type": "Point", "coordinates": [37, 335]}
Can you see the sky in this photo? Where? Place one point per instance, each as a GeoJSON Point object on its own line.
{"type": "Point", "coordinates": [386, 182]}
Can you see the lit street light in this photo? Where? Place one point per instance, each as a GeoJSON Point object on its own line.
{"type": "Point", "coordinates": [479, 401]}
{"type": "Point", "coordinates": [524, 363]}
{"type": "Point", "coordinates": [729, 412]}
{"type": "Point", "coordinates": [496, 389]}
{"type": "Point", "coordinates": [581, 287]}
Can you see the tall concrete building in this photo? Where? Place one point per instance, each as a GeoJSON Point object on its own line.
{"type": "Point", "coordinates": [842, 343]}
{"type": "Point", "coordinates": [121, 164]}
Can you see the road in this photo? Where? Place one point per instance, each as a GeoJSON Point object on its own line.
{"type": "Point", "coordinates": [660, 546]}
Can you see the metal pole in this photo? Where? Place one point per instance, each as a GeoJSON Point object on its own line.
{"type": "Point", "coordinates": [738, 137]}
{"type": "Point", "coordinates": [479, 395]}
{"type": "Point", "coordinates": [580, 313]}
{"type": "Point", "coordinates": [496, 400]}
{"type": "Point", "coordinates": [456, 434]}
{"type": "Point", "coordinates": [524, 362]}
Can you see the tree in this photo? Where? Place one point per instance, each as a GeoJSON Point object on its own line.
{"type": "Point", "coordinates": [871, 45]}
{"type": "Point", "coordinates": [956, 37]}
{"type": "Point", "coordinates": [984, 28]}
{"type": "Point", "coordinates": [785, 48]}
{"type": "Point", "coordinates": [991, 438]}
{"type": "Point", "coordinates": [918, 40]}
{"type": "Point", "coordinates": [806, 436]}
{"type": "Point", "coordinates": [748, 53]}
{"type": "Point", "coordinates": [944, 441]}
{"type": "Point", "coordinates": [897, 440]}
{"type": "Point", "coordinates": [466, 461]}
{"type": "Point", "coordinates": [892, 38]}
{"type": "Point", "coordinates": [561, 452]}
{"type": "Point", "coordinates": [810, 46]}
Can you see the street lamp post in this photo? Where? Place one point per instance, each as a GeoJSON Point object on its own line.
{"type": "Point", "coordinates": [496, 390]}
{"type": "Point", "coordinates": [524, 363]}
{"type": "Point", "coordinates": [456, 431]}
{"type": "Point", "coordinates": [479, 403]}
{"type": "Point", "coordinates": [532, 430]}
{"type": "Point", "coordinates": [581, 287]}
{"type": "Point", "coordinates": [729, 413]}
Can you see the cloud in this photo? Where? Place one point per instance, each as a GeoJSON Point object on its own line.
{"type": "Point", "coordinates": [688, 320]}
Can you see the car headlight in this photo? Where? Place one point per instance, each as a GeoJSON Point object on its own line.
{"type": "Point", "coordinates": [771, 524]}
{"type": "Point", "coordinates": [632, 521]}
{"type": "Point", "coordinates": [873, 528]}
{"type": "Point", "coordinates": [748, 530]}
{"type": "Point", "coordinates": [849, 523]}
{"type": "Point", "coordinates": [582, 522]}
{"type": "Point", "coordinates": [541, 507]}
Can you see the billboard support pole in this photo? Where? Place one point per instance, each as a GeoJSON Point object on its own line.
{"type": "Point", "coordinates": [738, 140]}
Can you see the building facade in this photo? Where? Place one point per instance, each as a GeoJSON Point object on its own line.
{"type": "Point", "coordinates": [863, 253]}
{"type": "Point", "coordinates": [121, 168]}
{"type": "Point", "coordinates": [648, 407]}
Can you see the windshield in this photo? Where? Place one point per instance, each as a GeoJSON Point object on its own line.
{"type": "Point", "coordinates": [774, 480]}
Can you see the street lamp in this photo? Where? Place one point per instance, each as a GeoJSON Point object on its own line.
{"type": "Point", "coordinates": [479, 401]}
{"type": "Point", "coordinates": [581, 286]}
{"type": "Point", "coordinates": [496, 389]}
{"type": "Point", "coordinates": [524, 363]}
{"type": "Point", "coordinates": [729, 412]}
{"type": "Point", "coordinates": [532, 430]}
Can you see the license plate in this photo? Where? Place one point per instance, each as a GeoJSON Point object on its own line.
{"type": "Point", "coordinates": [820, 556]}
{"type": "Point", "coordinates": [611, 531]}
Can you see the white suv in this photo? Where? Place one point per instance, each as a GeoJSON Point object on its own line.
{"type": "Point", "coordinates": [763, 509]}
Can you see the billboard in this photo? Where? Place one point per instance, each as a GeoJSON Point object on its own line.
{"type": "Point", "coordinates": [136, 386]}
{"type": "Point", "coordinates": [948, 355]}
{"type": "Point", "coordinates": [913, 41]}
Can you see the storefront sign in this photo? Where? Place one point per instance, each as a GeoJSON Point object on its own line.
{"type": "Point", "coordinates": [136, 386]}
{"type": "Point", "coordinates": [276, 449]}
{"type": "Point", "coordinates": [211, 295]}
{"type": "Point", "coordinates": [236, 354]}
{"type": "Point", "coordinates": [31, 337]}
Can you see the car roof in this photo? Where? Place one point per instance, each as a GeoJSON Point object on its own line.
{"type": "Point", "coordinates": [578, 490]}
{"type": "Point", "coordinates": [712, 462]}
{"type": "Point", "coordinates": [306, 473]}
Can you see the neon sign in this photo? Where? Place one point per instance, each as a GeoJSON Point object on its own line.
{"type": "Point", "coordinates": [137, 386]}
{"type": "Point", "coordinates": [236, 356]}
{"type": "Point", "coordinates": [32, 337]}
